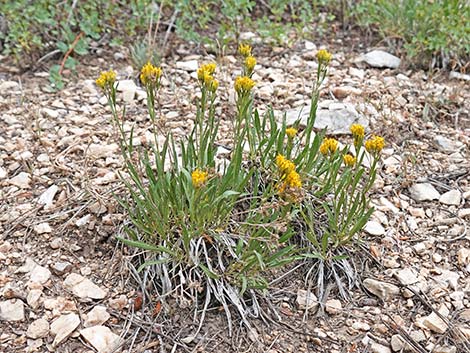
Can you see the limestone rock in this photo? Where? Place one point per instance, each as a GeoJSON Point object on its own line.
{"type": "Point", "coordinates": [101, 338]}
{"type": "Point", "coordinates": [337, 117]}
{"type": "Point", "coordinates": [83, 287]}
{"type": "Point", "coordinates": [39, 275]}
{"type": "Point", "coordinates": [406, 276]}
{"type": "Point", "coordinates": [97, 316]}
{"type": "Point", "coordinates": [42, 228]}
{"type": "Point", "coordinates": [190, 65]}
{"type": "Point", "coordinates": [383, 290]}
{"type": "Point", "coordinates": [463, 256]}
{"type": "Point", "coordinates": [451, 197]}
{"type": "Point", "coordinates": [374, 228]}
{"type": "Point", "coordinates": [333, 306]}
{"type": "Point", "coordinates": [12, 310]}
{"type": "Point", "coordinates": [47, 197]}
{"type": "Point", "coordinates": [306, 300]}
{"type": "Point", "coordinates": [63, 327]}
{"type": "Point", "coordinates": [22, 180]}
{"type": "Point", "coordinates": [38, 329]}
{"type": "Point", "coordinates": [435, 323]}
{"type": "Point", "coordinates": [126, 85]}
{"type": "Point", "coordinates": [378, 348]}
{"type": "Point", "coordinates": [380, 58]}
{"type": "Point", "coordinates": [423, 192]}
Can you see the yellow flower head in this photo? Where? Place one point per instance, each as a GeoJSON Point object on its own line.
{"type": "Point", "coordinates": [244, 84]}
{"type": "Point", "coordinates": [150, 74]}
{"type": "Point", "coordinates": [250, 63]}
{"type": "Point", "coordinates": [204, 75]}
{"type": "Point", "coordinates": [291, 132]}
{"type": "Point", "coordinates": [357, 130]}
{"type": "Point", "coordinates": [199, 178]}
{"type": "Point", "coordinates": [285, 166]}
{"type": "Point", "coordinates": [106, 79]}
{"type": "Point", "coordinates": [293, 180]}
{"type": "Point", "coordinates": [375, 144]}
{"type": "Point", "coordinates": [349, 160]}
{"type": "Point", "coordinates": [328, 146]}
{"type": "Point", "coordinates": [324, 56]}
{"type": "Point", "coordinates": [244, 50]}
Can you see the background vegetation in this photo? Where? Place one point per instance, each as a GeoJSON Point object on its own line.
{"type": "Point", "coordinates": [429, 33]}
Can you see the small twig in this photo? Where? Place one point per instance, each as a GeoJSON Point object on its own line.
{"type": "Point", "coordinates": [69, 51]}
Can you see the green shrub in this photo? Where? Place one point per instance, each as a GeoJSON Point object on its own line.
{"type": "Point", "coordinates": [433, 32]}
{"type": "Point", "coordinates": [216, 231]}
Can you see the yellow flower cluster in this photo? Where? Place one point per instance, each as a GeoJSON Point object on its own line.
{"type": "Point", "coordinates": [150, 74]}
{"type": "Point", "coordinates": [349, 160]}
{"type": "Point", "coordinates": [199, 178]}
{"type": "Point", "coordinates": [328, 146]}
{"type": "Point", "coordinates": [244, 50]}
{"type": "Point", "coordinates": [285, 166]}
{"type": "Point", "coordinates": [291, 179]}
{"type": "Point", "coordinates": [324, 56]}
{"type": "Point", "coordinates": [291, 132]}
{"type": "Point", "coordinates": [250, 63]}
{"type": "Point", "coordinates": [106, 79]}
{"type": "Point", "coordinates": [244, 84]}
{"type": "Point", "coordinates": [358, 132]}
{"type": "Point", "coordinates": [204, 75]}
{"type": "Point", "coordinates": [375, 144]}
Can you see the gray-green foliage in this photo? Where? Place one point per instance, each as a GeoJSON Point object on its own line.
{"type": "Point", "coordinates": [428, 30]}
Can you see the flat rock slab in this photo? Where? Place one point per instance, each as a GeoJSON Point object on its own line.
{"type": "Point", "coordinates": [101, 338]}
{"type": "Point", "coordinates": [383, 290]}
{"type": "Point", "coordinates": [423, 192]}
{"type": "Point", "coordinates": [337, 118]}
{"type": "Point", "coordinates": [12, 310]}
{"type": "Point", "coordinates": [83, 287]}
{"type": "Point", "coordinates": [63, 327]}
{"type": "Point", "coordinates": [381, 59]}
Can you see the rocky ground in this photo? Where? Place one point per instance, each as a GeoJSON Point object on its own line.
{"type": "Point", "coordinates": [65, 284]}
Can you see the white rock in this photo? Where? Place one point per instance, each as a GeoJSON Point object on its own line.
{"type": "Point", "coordinates": [102, 150]}
{"type": "Point", "coordinates": [306, 300]}
{"type": "Point", "coordinates": [28, 266]}
{"type": "Point", "coordinates": [463, 256]}
{"type": "Point", "coordinates": [3, 173]}
{"type": "Point", "coordinates": [47, 197]}
{"type": "Point", "coordinates": [12, 310]}
{"type": "Point", "coordinates": [359, 73]}
{"type": "Point", "coordinates": [63, 327]}
{"type": "Point", "coordinates": [126, 85]}
{"type": "Point", "coordinates": [378, 348]}
{"type": "Point", "coordinates": [456, 75]}
{"type": "Point", "coordinates": [381, 289]}
{"type": "Point", "coordinates": [333, 306]}
{"type": "Point", "coordinates": [129, 95]}
{"type": "Point", "coordinates": [407, 276]}
{"type": "Point", "coordinates": [83, 287]}
{"type": "Point", "coordinates": [360, 326]}
{"type": "Point", "coordinates": [8, 86]}
{"type": "Point", "coordinates": [42, 228]}
{"type": "Point", "coordinates": [22, 180]}
{"type": "Point", "coordinates": [97, 316]}
{"type": "Point", "coordinates": [33, 298]}
{"type": "Point", "coordinates": [447, 145]}
{"type": "Point", "coordinates": [379, 58]}
{"type": "Point", "coordinates": [38, 329]}
{"type": "Point", "coordinates": [435, 323]}
{"type": "Point", "coordinates": [49, 113]}
{"type": "Point", "coordinates": [374, 228]}
{"type": "Point", "coordinates": [101, 338]}
{"type": "Point", "coordinates": [190, 65]}
{"type": "Point", "coordinates": [310, 45]}
{"type": "Point", "coordinates": [337, 118]}
{"type": "Point", "coordinates": [40, 275]}
{"type": "Point", "coordinates": [423, 192]}
{"type": "Point", "coordinates": [452, 197]}
{"type": "Point", "coordinates": [397, 343]}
